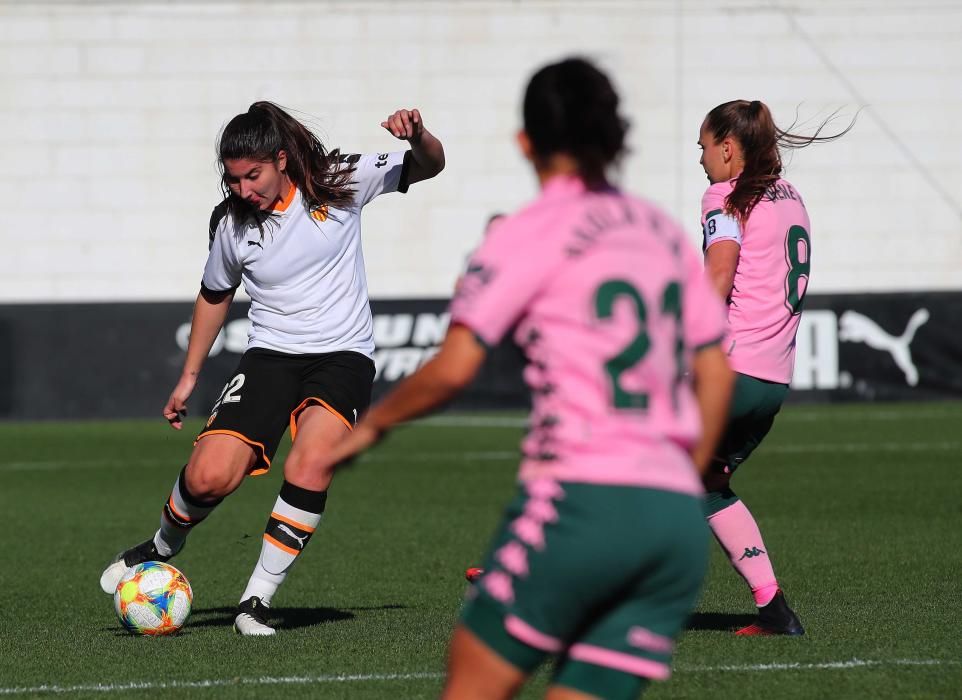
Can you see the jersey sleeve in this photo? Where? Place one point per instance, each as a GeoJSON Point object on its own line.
{"type": "Point", "coordinates": [378, 173]}
{"type": "Point", "coordinates": [704, 318]}
{"type": "Point", "coordinates": [716, 224]}
{"type": "Point", "coordinates": [223, 269]}
{"type": "Point", "coordinates": [502, 277]}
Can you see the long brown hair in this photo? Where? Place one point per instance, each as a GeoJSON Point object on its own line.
{"type": "Point", "coordinates": [751, 124]}
{"type": "Point", "coordinates": [260, 134]}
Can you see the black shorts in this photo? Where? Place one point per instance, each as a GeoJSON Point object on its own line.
{"type": "Point", "coordinates": [269, 389]}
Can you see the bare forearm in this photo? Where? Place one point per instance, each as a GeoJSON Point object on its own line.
{"type": "Point", "coordinates": [419, 394]}
{"type": "Point", "coordinates": [722, 281]}
{"type": "Point", "coordinates": [437, 382]}
{"type": "Point", "coordinates": [210, 312]}
{"type": "Point", "coordinates": [721, 263]}
{"type": "Point", "coordinates": [714, 381]}
{"type": "Point", "coordinates": [428, 155]}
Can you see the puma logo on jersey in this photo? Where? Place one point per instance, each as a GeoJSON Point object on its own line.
{"type": "Point", "coordinates": [302, 540]}
{"type": "Point", "coordinates": [853, 327]}
{"type": "Point", "coordinates": [257, 243]}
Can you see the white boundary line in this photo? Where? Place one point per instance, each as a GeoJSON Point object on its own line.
{"type": "Point", "coordinates": [507, 455]}
{"type": "Point", "coordinates": [428, 675]}
{"type": "Point", "coordinates": [790, 414]}
{"type": "Point", "coordinates": [815, 666]}
{"type": "Point", "coordinates": [220, 683]}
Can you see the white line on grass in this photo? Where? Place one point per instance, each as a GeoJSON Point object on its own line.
{"type": "Point", "coordinates": [497, 455]}
{"type": "Point", "coordinates": [427, 675]}
{"type": "Point", "coordinates": [856, 413]}
{"type": "Point", "coordinates": [817, 666]}
{"type": "Point", "coordinates": [866, 447]}
{"type": "Point", "coordinates": [220, 682]}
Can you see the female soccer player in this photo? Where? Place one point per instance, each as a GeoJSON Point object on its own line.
{"type": "Point", "coordinates": [600, 557]}
{"type": "Point", "coordinates": [758, 256]}
{"type": "Point", "coordinates": [288, 228]}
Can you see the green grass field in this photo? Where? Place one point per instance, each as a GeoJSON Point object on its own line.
{"type": "Point", "coordinates": [860, 506]}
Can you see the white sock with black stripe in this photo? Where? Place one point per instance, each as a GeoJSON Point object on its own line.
{"type": "Point", "coordinates": [297, 513]}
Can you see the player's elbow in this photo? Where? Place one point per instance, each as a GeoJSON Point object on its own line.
{"type": "Point", "coordinates": [454, 376]}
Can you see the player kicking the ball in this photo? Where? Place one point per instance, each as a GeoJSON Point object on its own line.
{"type": "Point", "coordinates": [289, 228]}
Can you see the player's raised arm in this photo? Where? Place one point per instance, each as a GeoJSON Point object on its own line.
{"type": "Point", "coordinates": [427, 153]}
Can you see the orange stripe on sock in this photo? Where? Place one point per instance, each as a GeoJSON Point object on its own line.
{"type": "Point", "coordinates": [281, 546]}
{"type": "Point", "coordinates": [289, 521]}
{"type": "Point", "coordinates": [170, 504]}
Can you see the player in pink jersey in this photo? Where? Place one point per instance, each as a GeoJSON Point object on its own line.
{"type": "Point", "coordinates": [758, 257]}
{"type": "Point", "coordinates": [599, 559]}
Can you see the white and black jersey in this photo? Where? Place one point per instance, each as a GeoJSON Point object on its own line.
{"type": "Point", "coordinates": [304, 271]}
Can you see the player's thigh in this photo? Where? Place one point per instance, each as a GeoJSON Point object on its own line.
{"type": "Point", "coordinates": [217, 466]}
{"type": "Point", "coordinates": [318, 430]}
{"type": "Point", "coordinates": [631, 640]}
{"type": "Point", "coordinates": [255, 404]}
{"type": "Point", "coordinates": [339, 382]}
{"type": "Point", "coordinates": [476, 672]}
{"type": "Point", "coordinates": [560, 555]}
{"type": "Point", "coordinates": [754, 405]}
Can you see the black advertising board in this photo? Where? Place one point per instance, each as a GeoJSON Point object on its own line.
{"type": "Point", "coordinates": [121, 360]}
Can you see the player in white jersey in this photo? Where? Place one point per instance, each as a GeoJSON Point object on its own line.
{"type": "Point", "coordinates": [289, 230]}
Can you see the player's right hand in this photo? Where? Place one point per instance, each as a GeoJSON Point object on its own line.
{"type": "Point", "coordinates": [176, 407]}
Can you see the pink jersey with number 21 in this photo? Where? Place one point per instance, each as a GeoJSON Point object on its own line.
{"type": "Point", "coordinates": [770, 281]}
{"type": "Point", "coordinates": [609, 302]}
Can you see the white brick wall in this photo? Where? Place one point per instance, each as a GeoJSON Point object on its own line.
{"type": "Point", "coordinates": [109, 111]}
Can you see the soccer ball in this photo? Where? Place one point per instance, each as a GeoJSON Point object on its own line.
{"type": "Point", "coordinates": [153, 598]}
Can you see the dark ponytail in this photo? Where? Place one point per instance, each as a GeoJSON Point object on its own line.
{"type": "Point", "coordinates": [761, 141]}
{"type": "Point", "coordinates": [265, 130]}
{"type": "Point", "coordinates": [571, 107]}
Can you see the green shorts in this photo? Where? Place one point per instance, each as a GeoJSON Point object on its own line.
{"type": "Point", "coordinates": [603, 577]}
{"type": "Point", "coordinates": [755, 403]}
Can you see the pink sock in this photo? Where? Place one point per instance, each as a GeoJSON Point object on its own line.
{"type": "Point", "coordinates": [737, 533]}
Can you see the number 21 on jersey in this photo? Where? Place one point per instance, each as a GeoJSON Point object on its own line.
{"type": "Point", "coordinates": [638, 348]}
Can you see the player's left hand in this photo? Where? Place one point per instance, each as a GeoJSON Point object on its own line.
{"type": "Point", "coordinates": [405, 124]}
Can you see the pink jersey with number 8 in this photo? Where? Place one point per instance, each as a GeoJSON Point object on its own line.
{"type": "Point", "coordinates": [770, 281]}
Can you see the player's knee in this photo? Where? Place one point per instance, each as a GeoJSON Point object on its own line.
{"type": "Point", "coordinates": [208, 482]}
{"type": "Point", "coordinates": [308, 470]}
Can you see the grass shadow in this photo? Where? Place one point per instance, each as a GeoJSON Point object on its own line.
{"type": "Point", "coordinates": [724, 622]}
{"type": "Point", "coordinates": [288, 618]}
